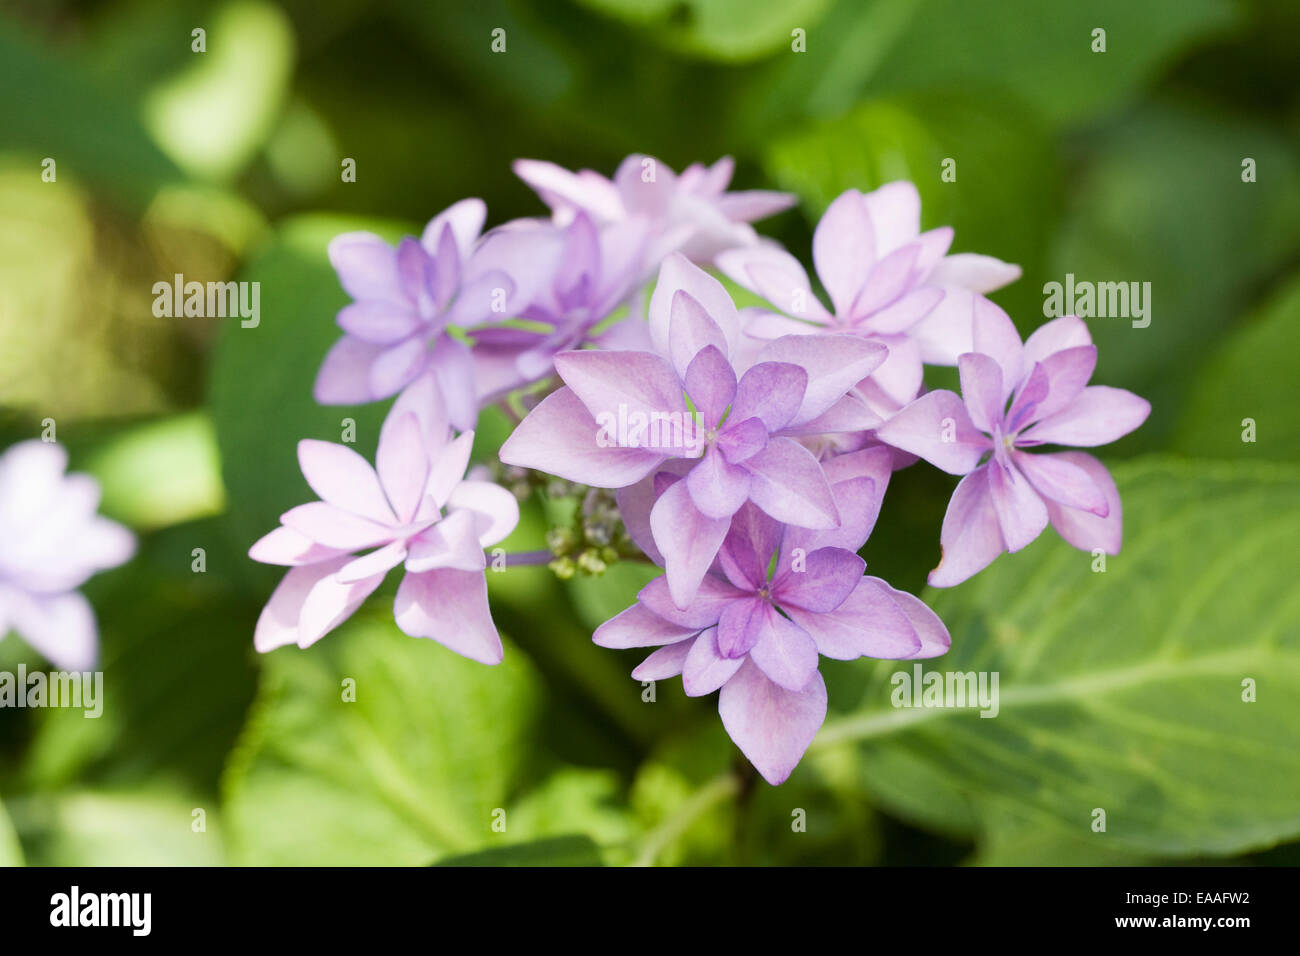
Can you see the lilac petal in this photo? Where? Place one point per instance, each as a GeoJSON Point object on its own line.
{"type": "Point", "coordinates": [789, 484]}
{"type": "Point", "coordinates": [403, 465]}
{"type": "Point", "coordinates": [648, 198]}
{"type": "Point", "coordinates": [904, 313]}
{"type": "Point", "coordinates": [785, 652]}
{"type": "Point", "coordinates": [704, 611]}
{"type": "Point", "coordinates": [561, 189]}
{"type": "Point", "coordinates": [421, 399]}
{"type": "Point", "coordinates": [380, 323]}
{"type": "Point", "coordinates": [898, 381]}
{"type": "Point", "coordinates": [772, 391]}
{"type": "Point", "coordinates": [277, 625]}
{"type": "Point", "coordinates": [888, 280]}
{"type": "Point", "coordinates": [1082, 529]}
{"type": "Point", "coordinates": [288, 547]}
{"type": "Point", "coordinates": [1022, 516]}
{"type": "Point", "coordinates": [559, 437]}
{"type": "Point", "coordinates": [416, 274]}
{"type": "Point", "coordinates": [1067, 332]}
{"type": "Point", "coordinates": [970, 537]}
{"type": "Point", "coordinates": [994, 334]}
{"type": "Point", "coordinates": [711, 384]}
{"type": "Point", "coordinates": [945, 332]}
{"type": "Point", "coordinates": [451, 543]}
{"type": "Point", "coordinates": [1067, 373]}
{"type": "Point", "coordinates": [833, 363]}
{"type": "Point", "coordinates": [380, 561]}
{"type": "Point", "coordinates": [748, 205]}
{"type": "Point", "coordinates": [858, 482]}
{"type": "Point", "coordinates": [868, 623]}
{"type": "Point", "coordinates": [1056, 479]}
{"type": "Point", "coordinates": [777, 276]}
{"type": "Point", "coordinates": [60, 626]}
{"type": "Point", "coordinates": [330, 602]}
{"type": "Point", "coordinates": [938, 428]}
{"type": "Point", "coordinates": [1025, 400]}
{"type": "Point", "coordinates": [615, 383]}
{"type": "Point", "coordinates": [849, 414]}
{"type": "Point", "coordinates": [981, 389]}
{"type": "Point", "coordinates": [747, 551]}
{"type": "Point", "coordinates": [333, 527]}
{"type": "Point", "coordinates": [445, 269]}
{"type": "Point", "coordinates": [743, 440]}
{"type": "Point", "coordinates": [820, 582]}
{"type": "Point", "coordinates": [448, 470]}
{"type": "Point", "coordinates": [496, 511]}
{"type": "Point", "coordinates": [344, 479]}
{"type": "Point", "coordinates": [844, 248]}
{"type": "Point", "coordinates": [1098, 416]}
{"type": "Point", "coordinates": [688, 540]}
{"type": "Point", "coordinates": [664, 663]}
{"type": "Point", "coordinates": [679, 273]}
{"type": "Point", "coordinates": [690, 331]}
{"type": "Point", "coordinates": [451, 607]}
{"type": "Point", "coordinates": [396, 367]}
{"type": "Point", "coordinates": [772, 726]}
{"type": "Point", "coordinates": [640, 627]}
{"type": "Point", "coordinates": [452, 364]}
{"type": "Point", "coordinates": [977, 273]}
{"type": "Point", "coordinates": [895, 210]}
{"type": "Point", "coordinates": [739, 626]}
{"type": "Point", "coordinates": [367, 266]}
{"type": "Point", "coordinates": [466, 220]}
{"type": "Point", "coordinates": [705, 669]}
{"type": "Point", "coordinates": [934, 636]}
{"type": "Point", "coordinates": [344, 376]}
{"type": "Point", "coordinates": [931, 247]}
{"type": "Point", "coordinates": [718, 487]}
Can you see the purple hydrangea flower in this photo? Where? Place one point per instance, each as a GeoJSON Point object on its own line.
{"type": "Point", "coordinates": [692, 213]}
{"type": "Point", "coordinates": [417, 508]}
{"type": "Point", "coordinates": [1017, 397]}
{"type": "Point", "coordinates": [568, 280]}
{"type": "Point", "coordinates": [51, 541]}
{"type": "Point", "coordinates": [756, 635]}
{"type": "Point", "coordinates": [408, 302]}
{"type": "Point", "coordinates": [886, 280]}
{"type": "Point", "coordinates": [623, 414]}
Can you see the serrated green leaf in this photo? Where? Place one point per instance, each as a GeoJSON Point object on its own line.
{"type": "Point", "coordinates": [1123, 691]}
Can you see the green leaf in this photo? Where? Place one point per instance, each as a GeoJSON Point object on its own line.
{"type": "Point", "coordinates": [555, 851]}
{"type": "Point", "coordinates": [1041, 53]}
{"type": "Point", "coordinates": [1251, 376]}
{"type": "Point", "coordinates": [1129, 222]}
{"type": "Point", "coordinates": [1121, 691]}
{"type": "Point", "coordinates": [726, 30]}
{"type": "Point", "coordinates": [411, 770]}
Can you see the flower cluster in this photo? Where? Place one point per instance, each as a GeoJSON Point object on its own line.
{"type": "Point", "coordinates": [746, 452]}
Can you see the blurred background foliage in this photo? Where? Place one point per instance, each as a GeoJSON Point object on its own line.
{"type": "Point", "coordinates": [1119, 691]}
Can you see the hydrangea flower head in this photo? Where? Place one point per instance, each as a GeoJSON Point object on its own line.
{"type": "Point", "coordinates": [1017, 397]}
{"type": "Point", "coordinates": [408, 300]}
{"type": "Point", "coordinates": [756, 635]}
{"type": "Point", "coordinates": [416, 509]}
{"type": "Point", "coordinates": [736, 437]}
{"type": "Point", "coordinates": [51, 541]}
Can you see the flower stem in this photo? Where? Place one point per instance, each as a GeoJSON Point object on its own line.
{"type": "Point", "coordinates": [721, 788]}
{"type": "Point", "coordinates": [521, 558]}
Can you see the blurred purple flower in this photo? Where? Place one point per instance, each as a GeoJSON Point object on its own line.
{"type": "Point", "coordinates": [408, 302]}
{"type": "Point", "coordinates": [886, 280]}
{"type": "Point", "coordinates": [51, 541]}
{"type": "Point", "coordinates": [1006, 502]}
{"type": "Point", "coordinates": [417, 508]}
{"type": "Point", "coordinates": [757, 635]}
{"type": "Point", "coordinates": [692, 213]}
{"type": "Point", "coordinates": [737, 437]}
